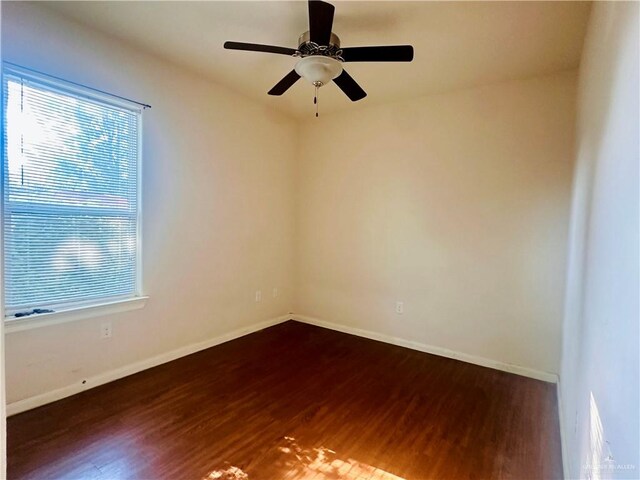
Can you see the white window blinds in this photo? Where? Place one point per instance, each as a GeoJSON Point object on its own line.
{"type": "Point", "coordinates": [70, 196]}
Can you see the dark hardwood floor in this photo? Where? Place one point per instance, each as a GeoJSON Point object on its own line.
{"type": "Point", "coordinates": [296, 402]}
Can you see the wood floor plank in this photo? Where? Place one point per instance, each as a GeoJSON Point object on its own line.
{"type": "Point", "coordinates": [296, 401]}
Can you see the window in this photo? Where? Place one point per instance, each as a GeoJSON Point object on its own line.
{"type": "Point", "coordinates": [70, 196]}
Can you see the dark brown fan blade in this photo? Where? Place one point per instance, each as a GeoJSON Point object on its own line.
{"type": "Point", "coordinates": [255, 47]}
{"type": "Point", "coordinates": [391, 53]}
{"type": "Point", "coordinates": [284, 84]}
{"type": "Point", "coordinates": [349, 86]}
{"type": "Point", "coordinates": [320, 21]}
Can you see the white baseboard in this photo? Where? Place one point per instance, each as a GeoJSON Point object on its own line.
{"type": "Point", "coordinates": [563, 442]}
{"type": "Point", "coordinates": [106, 377]}
{"type": "Point", "coordinates": [423, 347]}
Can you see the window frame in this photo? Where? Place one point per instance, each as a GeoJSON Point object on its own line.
{"type": "Point", "coordinates": [88, 308]}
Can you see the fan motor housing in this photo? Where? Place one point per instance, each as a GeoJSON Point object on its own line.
{"type": "Point", "coordinates": [308, 48]}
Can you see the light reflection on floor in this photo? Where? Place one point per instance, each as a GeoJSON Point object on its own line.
{"type": "Point", "coordinates": [298, 463]}
{"type": "Point", "coordinates": [229, 473]}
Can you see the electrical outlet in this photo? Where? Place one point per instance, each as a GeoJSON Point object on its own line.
{"type": "Point", "coordinates": [275, 292]}
{"type": "Point", "coordinates": [105, 330]}
{"type": "Point", "coordinates": [258, 295]}
{"type": "Point", "coordinates": [399, 308]}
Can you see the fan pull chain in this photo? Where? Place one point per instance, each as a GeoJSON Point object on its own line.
{"type": "Point", "coordinates": [315, 98]}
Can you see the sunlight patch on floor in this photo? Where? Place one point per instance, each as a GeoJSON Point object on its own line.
{"type": "Point", "coordinates": [298, 463]}
{"type": "Point", "coordinates": [322, 463]}
{"type": "Point", "coordinates": [229, 473]}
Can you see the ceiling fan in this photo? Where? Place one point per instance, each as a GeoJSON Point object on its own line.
{"type": "Point", "coordinates": [321, 56]}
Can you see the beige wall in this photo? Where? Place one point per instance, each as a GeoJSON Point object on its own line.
{"type": "Point", "coordinates": [456, 204]}
{"type": "Point", "coordinates": [217, 199]}
{"type": "Point", "coordinates": [599, 380]}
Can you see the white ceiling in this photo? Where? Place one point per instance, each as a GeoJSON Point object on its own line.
{"type": "Point", "coordinates": [457, 44]}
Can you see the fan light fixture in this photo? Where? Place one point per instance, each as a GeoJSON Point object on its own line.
{"type": "Point", "coordinates": [318, 70]}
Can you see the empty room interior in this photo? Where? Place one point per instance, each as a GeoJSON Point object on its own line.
{"type": "Point", "coordinates": [328, 240]}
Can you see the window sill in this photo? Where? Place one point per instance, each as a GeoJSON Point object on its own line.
{"type": "Point", "coordinates": [45, 319]}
